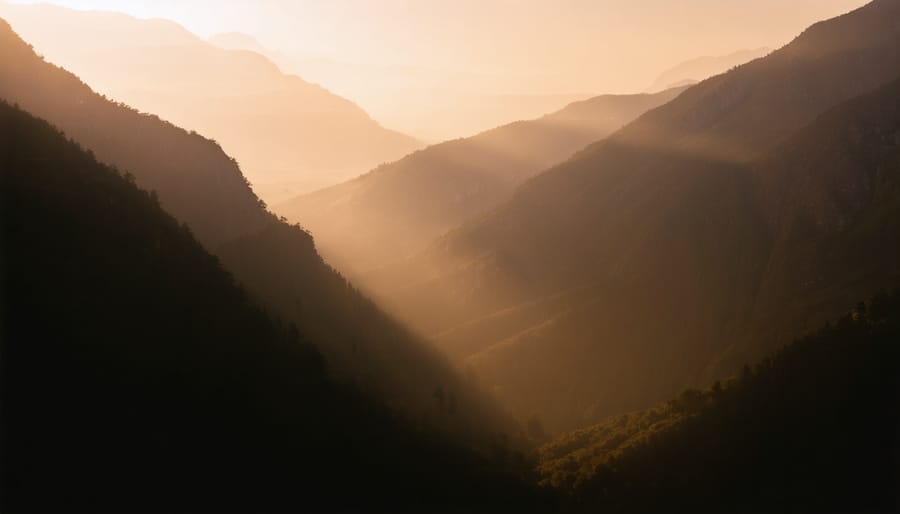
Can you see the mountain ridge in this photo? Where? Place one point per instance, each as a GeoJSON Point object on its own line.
{"type": "Point", "coordinates": [202, 187]}
{"type": "Point", "coordinates": [661, 217]}
{"type": "Point", "coordinates": [700, 68]}
{"type": "Point", "coordinates": [290, 135]}
{"type": "Point", "coordinates": [398, 208]}
{"type": "Point", "coordinates": [138, 376]}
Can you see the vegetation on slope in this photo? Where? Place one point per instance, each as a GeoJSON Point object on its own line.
{"type": "Point", "coordinates": [202, 187]}
{"type": "Point", "coordinates": [815, 428]}
{"type": "Point", "coordinates": [137, 377]}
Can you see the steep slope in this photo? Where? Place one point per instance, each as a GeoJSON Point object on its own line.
{"type": "Point", "coordinates": [702, 68]}
{"type": "Point", "coordinates": [812, 429]}
{"type": "Point", "coordinates": [289, 135]}
{"type": "Point", "coordinates": [615, 279]}
{"type": "Point", "coordinates": [398, 208]}
{"type": "Point", "coordinates": [136, 376]}
{"type": "Point", "coordinates": [181, 167]}
{"type": "Point", "coordinates": [831, 196]}
{"type": "Point", "coordinates": [197, 183]}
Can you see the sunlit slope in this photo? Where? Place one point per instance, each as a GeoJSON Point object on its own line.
{"type": "Point", "coordinates": [618, 278]}
{"type": "Point", "coordinates": [397, 209]}
{"type": "Point", "coordinates": [202, 187]}
{"type": "Point", "coordinates": [289, 135]}
{"type": "Point", "coordinates": [811, 429]}
{"type": "Point", "coordinates": [138, 377]}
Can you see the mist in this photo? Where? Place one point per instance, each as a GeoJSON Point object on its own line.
{"type": "Point", "coordinates": [456, 257]}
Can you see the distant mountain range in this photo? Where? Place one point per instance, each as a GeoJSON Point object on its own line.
{"type": "Point", "coordinates": [654, 259]}
{"type": "Point", "coordinates": [238, 41]}
{"type": "Point", "coordinates": [289, 135]}
{"type": "Point", "coordinates": [398, 208]}
{"type": "Point", "coordinates": [437, 104]}
{"type": "Point", "coordinates": [701, 68]}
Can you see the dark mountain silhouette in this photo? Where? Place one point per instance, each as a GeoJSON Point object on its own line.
{"type": "Point", "coordinates": [637, 267]}
{"type": "Point", "coordinates": [137, 377]}
{"type": "Point", "coordinates": [701, 68]}
{"type": "Point", "coordinates": [398, 208]}
{"type": "Point", "coordinates": [197, 183]}
{"type": "Point", "coordinates": [289, 135]}
{"type": "Point", "coordinates": [814, 428]}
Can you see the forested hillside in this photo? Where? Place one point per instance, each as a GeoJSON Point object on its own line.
{"type": "Point", "coordinates": [814, 428]}
{"type": "Point", "coordinates": [137, 377]}
{"type": "Point", "coordinates": [202, 187]}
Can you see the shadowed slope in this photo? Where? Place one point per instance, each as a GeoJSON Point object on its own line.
{"type": "Point", "coordinates": [136, 376]}
{"type": "Point", "coordinates": [181, 167]}
{"type": "Point", "coordinates": [812, 429]}
{"type": "Point", "coordinates": [197, 183]}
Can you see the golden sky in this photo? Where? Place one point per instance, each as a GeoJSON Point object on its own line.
{"type": "Point", "coordinates": [576, 45]}
{"type": "Point", "coordinates": [440, 68]}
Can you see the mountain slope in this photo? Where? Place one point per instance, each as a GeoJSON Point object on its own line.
{"type": "Point", "coordinates": [398, 208]}
{"type": "Point", "coordinates": [831, 195]}
{"type": "Point", "coordinates": [181, 167]}
{"type": "Point", "coordinates": [289, 135]}
{"type": "Point", "coordinates": [136, 376]}
{"type": "Point", "coordinates": [702, 68]}
{"type": "Point", "coordinates": [812, 429]}
{"type": "Point", "coordinates": [197, 183]}
{"type": "Point", "coordinates": [619, 277]}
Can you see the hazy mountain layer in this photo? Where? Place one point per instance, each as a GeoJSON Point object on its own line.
{"type": "Point", "coordinates": [702, 68]}
{"type": "Point", "coordinates": [397, 209]}
{"type": "Point", "coordinates": [637, 267]}
{"type": "Point", "coordinates": [289, 135]}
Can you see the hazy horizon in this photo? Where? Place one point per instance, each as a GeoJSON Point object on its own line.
{"type": "Point", "coordinates": [432, 69]}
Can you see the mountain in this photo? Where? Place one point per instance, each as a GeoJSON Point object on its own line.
{"type": "Point", "coordinates": [811, 429]}
{"type": "Point", "coordinates": [203, 188]}
{"type": "Point", "coordinates": [289, 135]}
{"type": "Point", "coordinates": [701, 68]}
{"type": "Point", "coordinates": [398, 208]}
{"type": "Point", "coordinates": [137, 376]}
{"type": "Point", "coordinates": [643, 264]}
{"type": "Point", "coordinates": [438, 104]}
